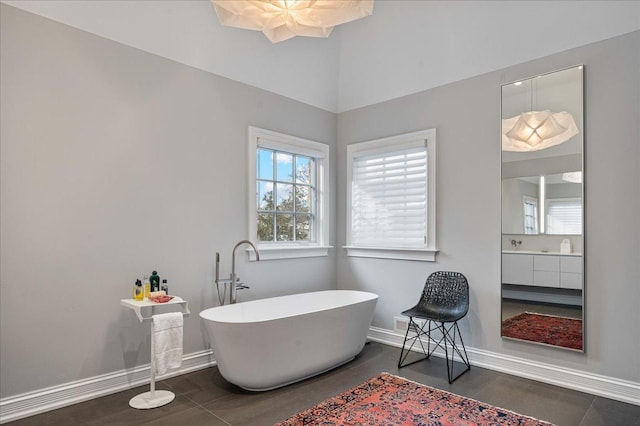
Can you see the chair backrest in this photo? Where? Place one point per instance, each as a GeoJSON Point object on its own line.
{"type": "Point", "coordinates": [446, 290]}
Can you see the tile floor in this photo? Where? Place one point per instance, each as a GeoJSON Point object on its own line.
{"type": "Point", "coordinates": [205, 398]}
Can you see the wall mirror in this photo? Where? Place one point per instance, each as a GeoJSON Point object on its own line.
{"type": "Point", "coordinates": [542, 209]}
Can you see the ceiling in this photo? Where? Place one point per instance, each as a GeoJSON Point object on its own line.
{"type": "Point", "coordinates": [403, 48]}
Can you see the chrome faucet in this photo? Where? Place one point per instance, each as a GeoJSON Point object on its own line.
{"type": "Point", "coordinates": [234, 281]}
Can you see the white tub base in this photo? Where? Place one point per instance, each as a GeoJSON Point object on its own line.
{"type": "Point", "coordinates": [269, 343]}
{"type": "Point", "coordinates": [300, 379]}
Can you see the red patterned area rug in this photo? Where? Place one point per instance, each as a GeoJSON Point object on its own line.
{"type": "Point", "coordinates": [549, 329]}
{"type": "Point", "coordinates": [388, 400]}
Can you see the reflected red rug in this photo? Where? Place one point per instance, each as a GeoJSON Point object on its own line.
{"type": "Point", "coordinates": [387, 400]}
{"type": "Point", "coordinates": [557, 331]}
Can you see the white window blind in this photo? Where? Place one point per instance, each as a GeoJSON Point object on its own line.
{"type": "Point", "coordinates": [389, 199]}
{"type": "Point", "coordinates": [564, 216]}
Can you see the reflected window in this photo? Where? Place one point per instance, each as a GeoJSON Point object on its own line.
{"type": "Point", "coordinates": [530, 208]}
{"type": "Point", "coordinates": [564, 216]}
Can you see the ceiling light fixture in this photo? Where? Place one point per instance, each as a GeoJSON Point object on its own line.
{"type": "Point", "coordinates": [281, 20]}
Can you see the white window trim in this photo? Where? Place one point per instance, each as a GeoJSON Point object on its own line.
{"type": "Point", "coordinates": [424, 254]}
{"type": "Point", "coordinates": [320, 151]}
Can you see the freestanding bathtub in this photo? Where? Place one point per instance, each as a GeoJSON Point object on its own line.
{"type": "Point", "coordinates": [268, 343]}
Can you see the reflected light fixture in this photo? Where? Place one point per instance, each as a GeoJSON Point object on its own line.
{"type": "Point", "coordinates": [536, 130]}
{"type": "Point", "coordinates": [573, 177]}
{"type": "Point", "coordinates": [281, 20]}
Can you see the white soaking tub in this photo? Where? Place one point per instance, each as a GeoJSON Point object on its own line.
{"type": "Point", "coordinates": [268, 343]}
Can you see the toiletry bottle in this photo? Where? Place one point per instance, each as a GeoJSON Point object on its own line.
{"type": "Point", "coordinates": [165, 287]}
{"type": "Point", "coordinates": [147, 287]}
{"type": "Point", "coordinates": [155, 281]}
{"type": "Point", "coordinates": [138, 291]}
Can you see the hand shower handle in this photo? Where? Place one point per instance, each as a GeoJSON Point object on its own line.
{"type": "Point", "coordinates": [217, 267]}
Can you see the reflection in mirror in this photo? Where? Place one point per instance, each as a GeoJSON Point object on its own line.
{"type": "Point", "coordinates": [542, 209]}
{"type": "Point", "coordinates": [547, 204]}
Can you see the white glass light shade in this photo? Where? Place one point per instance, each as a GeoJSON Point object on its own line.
{"type": "Point", "coordinates": [281, 20]}
{"type": "Point", "coordinates": [536, 130]}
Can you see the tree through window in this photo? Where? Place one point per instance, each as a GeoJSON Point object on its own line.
{"type": "Point", "coordinates": [286, 192]}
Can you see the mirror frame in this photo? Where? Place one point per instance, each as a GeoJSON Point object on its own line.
{"type": "Point", "coordinates": [502, 248]}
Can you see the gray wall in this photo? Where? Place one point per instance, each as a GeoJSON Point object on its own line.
{"type": "Point", "coordinates": [466, 115]}
{"type": "Point", "coordinates": [513, 193]}
{"type": "Point", "coordinates": [115, 162]}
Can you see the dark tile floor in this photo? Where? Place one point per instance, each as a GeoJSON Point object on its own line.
{"type": "Point", "coordinates": [205, 398]}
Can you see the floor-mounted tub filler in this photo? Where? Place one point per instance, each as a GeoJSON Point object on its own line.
{"type": "Point", "coordinates": [268, 343]}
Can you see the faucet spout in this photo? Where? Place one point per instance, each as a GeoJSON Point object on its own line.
{"type": "Point", "coordinates": [233, 288]}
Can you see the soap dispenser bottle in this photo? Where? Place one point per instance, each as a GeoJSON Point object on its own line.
{"type": "Point", "coordinates": [154, 279]}
{"type": "Point", "coordinates": [147, 286]}
{"type": "Point", "coordinates": [565, 246]}
{"type": "Point", "coordinates": [138, 291]}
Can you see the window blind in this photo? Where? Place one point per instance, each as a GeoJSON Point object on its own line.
{"type": "Point", "coordinates": [389, 199]}
{"type": "Point", "coordinates": [564, 216]}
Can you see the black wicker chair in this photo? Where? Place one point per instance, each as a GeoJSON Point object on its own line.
{"type": "Point", "coordinates": [445, 299]}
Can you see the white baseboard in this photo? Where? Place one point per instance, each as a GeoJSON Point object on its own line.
{"type": "Point", "coordinates": [36, 402]}
{"type": "Point", "coordinates": [40, 401]}
{"type": "Point", "coordinates": [608, 387]}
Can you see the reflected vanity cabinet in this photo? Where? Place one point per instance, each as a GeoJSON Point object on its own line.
{"type": "Point", "coordinates": [542, 270]}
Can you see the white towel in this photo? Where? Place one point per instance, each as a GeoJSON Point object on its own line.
{"type": "Point", "coordinates": [167, 341]}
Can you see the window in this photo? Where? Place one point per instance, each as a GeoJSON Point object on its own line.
{"type": "Point", "coordinates": [530, 207]}
{"type": "Point", "coordinates": [564, 216]}
{"type": "Point", "coordinates": [391, 197]}
{"type": "Point", "coordinates": [286, 194]}
{"type": "Point", "coordinates": [288, 184]}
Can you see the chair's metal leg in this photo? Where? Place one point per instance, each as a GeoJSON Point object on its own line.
{"type": "Point", "coordinates": [406, 335]}
{"type": "Point", "coordinates": [448, 337]}
{"type": "Point", "coordinates": [429, 339]}
{"type": "Point", "coordinates": [446, 353]}
{"type": "Point", "coordinates": [419, 333]}
{"type": "Point", "coordinates": [465, 357]}
{"type": "Point", "coordinates": [455, 349]}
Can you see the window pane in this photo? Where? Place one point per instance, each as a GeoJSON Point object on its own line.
{"type": "Point", "coordinates": [303, 227]}
{"type": "Point", "coordinates": [265, 227]}
{"type": "Point", "coordinates": [303, 170]}
{"type": "Point", "coordinates": [284, 166]}
{"type": "Point", "coordinates": [265, 164]}
{"type": "Point", "coordinates": [303, 199]}
{"type": "Point", "coordinates": [284, 227]}
{"type": "Point", "coordinates": [265, 196]}
{"type": "Point", "coordinates": [284, 199]}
